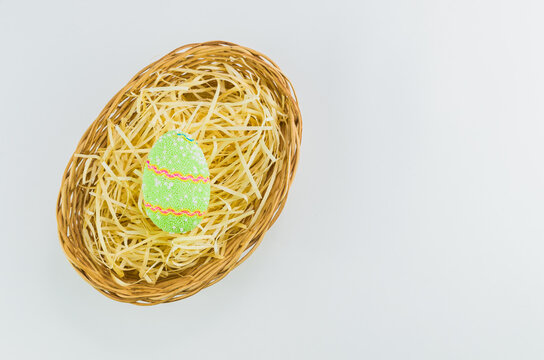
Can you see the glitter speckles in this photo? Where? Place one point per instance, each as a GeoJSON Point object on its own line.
{"type": "Point", "coordinates": [176, 184]}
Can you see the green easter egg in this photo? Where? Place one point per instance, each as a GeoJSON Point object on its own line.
{"type": "Point", "coordinates": [176, 183]}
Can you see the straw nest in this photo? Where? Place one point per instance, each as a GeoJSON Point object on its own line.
{"type": "Point", "coordinates": [244, 114]}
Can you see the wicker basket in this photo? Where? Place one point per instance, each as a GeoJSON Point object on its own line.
{"type": "Point", "coordinates": [73, 196]}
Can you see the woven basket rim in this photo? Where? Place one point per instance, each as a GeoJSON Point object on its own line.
{"type": "Point", "coordinates": [176, 287]}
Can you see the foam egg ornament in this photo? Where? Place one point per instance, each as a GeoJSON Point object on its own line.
{"type": "Point", "coordinates": [176, 183]}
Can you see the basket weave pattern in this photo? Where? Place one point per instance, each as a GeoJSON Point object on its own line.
{"type": "Point", "coordinates": [73, 196]}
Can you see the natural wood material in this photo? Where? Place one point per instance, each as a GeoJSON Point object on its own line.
{"type": "Point", "coordinates": [243, 112]}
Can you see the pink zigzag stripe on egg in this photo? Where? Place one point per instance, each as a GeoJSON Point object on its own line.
{"type": "Point", "coordinates": [156, 208]}
{"type": "Point", "coordinates": [172, 175]}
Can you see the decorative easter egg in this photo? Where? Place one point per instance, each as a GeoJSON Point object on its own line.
{"type": "Point", "coordinates": [176, 183]}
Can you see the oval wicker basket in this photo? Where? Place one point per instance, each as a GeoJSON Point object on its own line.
{"type": "Point", "coordinates": [73, 196]}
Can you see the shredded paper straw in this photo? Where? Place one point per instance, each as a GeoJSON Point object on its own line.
{"type": "Point", "coordinates": [244, 126]}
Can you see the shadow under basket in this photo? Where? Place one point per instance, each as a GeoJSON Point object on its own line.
{"type": "Point", "coordinates": [75, 193]}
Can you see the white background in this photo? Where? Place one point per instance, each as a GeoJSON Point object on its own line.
{"type": "Point", "coordinates": [414, 228]}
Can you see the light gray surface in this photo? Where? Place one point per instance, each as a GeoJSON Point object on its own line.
{"type": "Point", "coordinates": [414, 227]}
